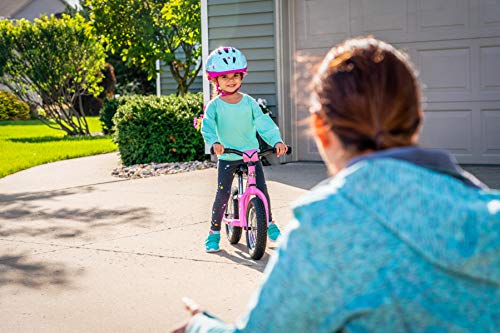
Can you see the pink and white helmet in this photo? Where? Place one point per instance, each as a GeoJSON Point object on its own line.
{"type": "Point", "coordinates": [225, 60]}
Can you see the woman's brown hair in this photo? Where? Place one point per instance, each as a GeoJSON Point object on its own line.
{"type": "Point", "coordinates": [367, 93]}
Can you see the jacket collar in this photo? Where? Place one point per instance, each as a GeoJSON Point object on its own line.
{"type": "Point", "coordinates": [433, 159]}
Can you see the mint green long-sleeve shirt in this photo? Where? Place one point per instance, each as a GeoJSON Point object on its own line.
{"type": "Point", "coordinates": [235, 125]}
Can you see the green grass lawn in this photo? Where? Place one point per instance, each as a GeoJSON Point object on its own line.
{"type": "Point", "coordinates": [24, 144]}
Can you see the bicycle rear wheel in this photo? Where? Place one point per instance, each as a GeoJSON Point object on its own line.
{"type": "Point", "coordinates": [233, 233]}
{"type": "Point", "coordinates": [256, 233]}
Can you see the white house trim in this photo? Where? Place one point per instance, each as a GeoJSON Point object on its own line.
{"type": "Point", "coordinates": [284, 74]}
{"type": "Point", "coordinates": [158, 78]}
{"type": "Point", "coordinates": [204, 46]}
{"type": "Point", "coordinates": [204, 56]}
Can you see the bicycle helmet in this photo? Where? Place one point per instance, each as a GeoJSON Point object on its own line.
{"type": "Point", "coordinates": [225, 60]}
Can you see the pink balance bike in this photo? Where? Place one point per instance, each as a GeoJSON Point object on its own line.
{"type": "Point", "coordinates": [248, 209]}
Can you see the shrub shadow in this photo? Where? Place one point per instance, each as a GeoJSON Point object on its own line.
{"type": "Point", "coordinates": [20, 215]}
{"type": "Point", "coordinates": [23, 123]}
{"type": "Point", "coordinates": [23, 271]}
{"type": "Point", "coordinates": [25, 223]}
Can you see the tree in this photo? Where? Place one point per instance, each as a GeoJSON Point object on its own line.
{"type": "Point", "coordinates": [130, 79]}
{"type": "Point", "coordinates": [50, 63]}
{"type": "Point", "coordinates": [144, 31]}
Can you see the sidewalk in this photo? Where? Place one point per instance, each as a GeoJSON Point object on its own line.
{"type": "Point", "coordinates": [83, 251]}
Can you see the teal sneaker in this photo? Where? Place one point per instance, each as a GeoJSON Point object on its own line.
{"type": "Point", "coordinates": [212, 242]}
{"type": "Point", "coordinates": [273, 232]}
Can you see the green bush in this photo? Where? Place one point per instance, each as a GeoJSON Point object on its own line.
{"type": "Point", "coordinates": [159, 129]}
{"type": "Point", "coordinates": [12, 108]}
{"type": "Point", "coordinates": [109, 107]}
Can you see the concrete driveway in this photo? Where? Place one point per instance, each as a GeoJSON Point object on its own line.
{"type": "Point", "coordinates": [83, 251]}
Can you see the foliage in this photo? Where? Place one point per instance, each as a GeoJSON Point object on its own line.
{"type": "Point", "coordinates": [147, 30]}
{"type": "Point", "coordinates": [130, 79]}
{"type": "Point", "coordinates": [27, 143]}
{"type": "Point", "coordinates": [12, 108]}
{"type": "Point", "coordinates": [110, 105]}
{"type": "Point", "coordinates": [197, 122]}
{"type": "Point", "coordinates": [50, 63]}
{"type": "Point", "coordinates": [92, 105]}
{"type": "Point", "coordinates": [159, 129]}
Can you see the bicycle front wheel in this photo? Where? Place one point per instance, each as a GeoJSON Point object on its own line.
{"type": "Point", "coordinates": [257, 228]}
{"type": "Point", "coordinates": [233, 233]}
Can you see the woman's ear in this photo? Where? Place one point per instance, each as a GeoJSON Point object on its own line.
{"type": "Point", "coordinates": [415, 138]}
{"type": "Point", "coordinates": [321, 130]}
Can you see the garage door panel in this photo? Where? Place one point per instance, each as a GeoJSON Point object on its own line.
{"type": "Point", "coordinates": [317, 27]}
{"type": "Point", "coordinates": [306, 64]}
{"type": "Point", "coordinates": [469, 130]}
{"type": "Point", "coordinates": [445, 70]}
{"type": "Point", "coordinates": [432, 14]}
{"type": "Point", "coordinates": [489, 13]}
{"type": "Point", "coordinates": [491, 133]}
{"type": "Point", "coordinates": [489, 59]}
{"type": "Point", "coordinates": [384, 15]}
{"type": "Point", "coordinates": [448, 129]}
{"type": "Point", "coordinates": [305, 144]}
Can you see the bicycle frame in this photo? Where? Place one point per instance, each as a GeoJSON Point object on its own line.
{"type": "Point", "coordinates": [250, 157]}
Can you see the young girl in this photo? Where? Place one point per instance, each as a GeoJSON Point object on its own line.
{"type": "Point", "coordinates": [232, 120]}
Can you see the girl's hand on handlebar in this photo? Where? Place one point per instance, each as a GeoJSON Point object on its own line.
{"type": "Point", "coordinates": [281, 149]}
{"type": "Point", "coordinates": [218, 148]}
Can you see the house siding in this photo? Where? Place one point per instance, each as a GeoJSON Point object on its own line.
{"type": "Point", "coordinates": [169, 86]}
{"type": "Point", "coordinates": [249, 26]}
{"type": "Point", "coordinates": [37, 8]}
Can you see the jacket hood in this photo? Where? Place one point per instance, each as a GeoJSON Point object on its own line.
{"type": "Point", "coordinates": [446, 217]}
{"type": "Point", "coordinates": [447, 220]}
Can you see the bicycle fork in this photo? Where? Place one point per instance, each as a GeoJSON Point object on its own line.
{"type": "Point", "coordinates": [247, 195]}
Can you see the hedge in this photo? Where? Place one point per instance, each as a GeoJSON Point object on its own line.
{"type": "Point", "coordinates": [159, 129]}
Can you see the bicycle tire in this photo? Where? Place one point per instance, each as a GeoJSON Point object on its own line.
{"type": "Point", "coordinates": [256, 232]}
{"type": "Point", "coordinates": [233, 233]}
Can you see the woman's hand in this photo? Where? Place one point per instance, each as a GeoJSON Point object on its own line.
{"type": "Point", "coordinates": [218, 148]}
{"type": "Point", "coordinates": [281, 149]}
{"type": "Point", "coordinates": [193, 309]}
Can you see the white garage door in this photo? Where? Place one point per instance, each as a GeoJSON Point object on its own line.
{"type": "Point", "coordinates": [455, 45]}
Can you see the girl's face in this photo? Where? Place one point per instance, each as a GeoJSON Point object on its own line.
{"type": "Point", "coordinates": [230, 82]}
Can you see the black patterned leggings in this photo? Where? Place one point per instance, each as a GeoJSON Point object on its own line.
{"type": "Point", "coordinates": [225, 175]}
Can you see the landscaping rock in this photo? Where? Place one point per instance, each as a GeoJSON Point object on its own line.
{"type": "Point", "coordinates": [158, 169]}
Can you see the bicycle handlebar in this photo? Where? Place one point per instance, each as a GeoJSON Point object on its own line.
{"type": "Point", "coordinates": [265, 152]}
